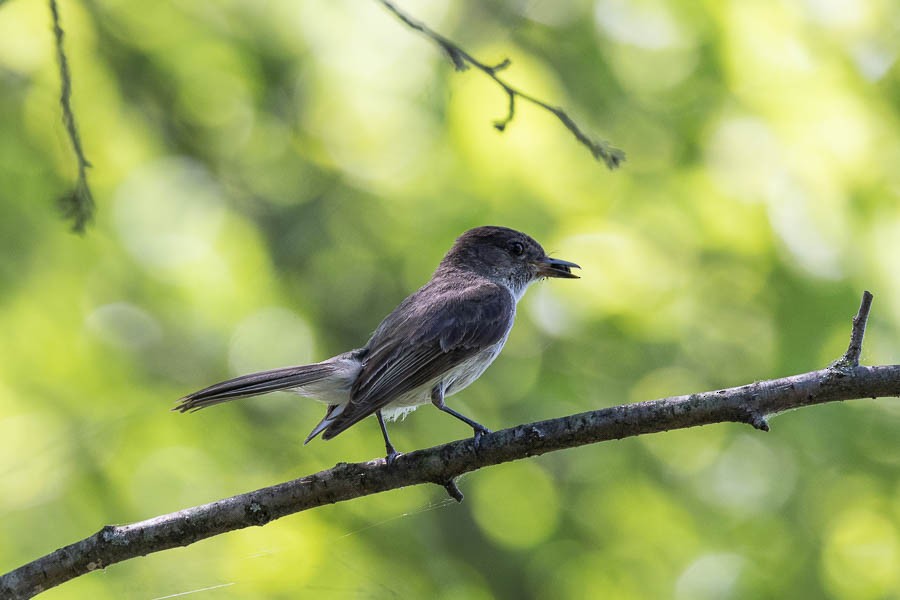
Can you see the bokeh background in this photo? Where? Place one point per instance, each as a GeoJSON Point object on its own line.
{"type": "Point", "coordinates": [273, 177]}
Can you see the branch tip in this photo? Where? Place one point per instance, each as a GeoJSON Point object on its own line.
{"type": "Point", "coordinates": [501, 65]}
{"type": "Point", "coordinates": [613, 157]}
{"type": "Point", "coordinates": [77, 206]}
{"type": "Point", "coordinates": [453, 490]}
{"type": "Point", "coordinates": [759, 422]}
{"type": "Point", "coordinates": [857, 333]}
{"type": "Point", "coordinates": [500, 124]}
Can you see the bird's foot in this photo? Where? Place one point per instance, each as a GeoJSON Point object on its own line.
{"type": "Point", "coordinates": [479, 432]}
{"type": "Point", "coordinates": [391, 456]}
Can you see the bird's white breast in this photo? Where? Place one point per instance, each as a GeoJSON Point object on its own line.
{"type": "Point", "coordinates": [454, 380]}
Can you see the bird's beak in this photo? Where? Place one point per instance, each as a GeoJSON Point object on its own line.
{"type": "Point", "coordinates": [556, 267]}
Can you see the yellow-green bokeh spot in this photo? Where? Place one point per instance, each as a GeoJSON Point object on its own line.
{"type": "Point", "coordinates": [861, 556]}
{"type": "Point", "coordinates": [516, 505]}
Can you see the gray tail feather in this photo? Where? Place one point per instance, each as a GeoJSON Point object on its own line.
{"type": "Point", "coordinates": [255, 384]}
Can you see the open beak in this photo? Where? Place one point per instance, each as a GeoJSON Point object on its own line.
{"type": "Point", "coordinates": [556, 267]}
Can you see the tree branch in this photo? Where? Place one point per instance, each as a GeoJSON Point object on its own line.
{"type": "Point", "coordinates": [78, 204]}
{"type": "Point", "coordinates": [441, 465]}
{"type": "Point", "coordinates": [600, 149]}
{"type": "Point", "coordinates": [851, 356]}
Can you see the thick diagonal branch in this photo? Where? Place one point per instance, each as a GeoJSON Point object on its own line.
{"type": "Point", "coordinates": [442, 464]}
{"type": "Point", "coordinates": [600, 149]}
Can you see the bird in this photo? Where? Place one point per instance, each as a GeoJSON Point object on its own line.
{"type": "Point", "coordinates": [436, 342]}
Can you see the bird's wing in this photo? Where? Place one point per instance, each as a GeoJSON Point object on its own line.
{"type": "Point", "coordinates": [418, 344]}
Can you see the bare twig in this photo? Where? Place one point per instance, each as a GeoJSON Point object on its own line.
{"type": "Point", "coordinates": [851, 356]}
{"type": "Point", "coordinates": [443, 464]}
{"type": "Point", "coordinates": [77, 205]}
{"type": "Point", "coordinates": [453, 490]}
{"type": "Point", "coordinates": [600, 149]}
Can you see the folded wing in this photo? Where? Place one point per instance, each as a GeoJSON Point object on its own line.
{"type": "Point", "coordinates": [408, 352]}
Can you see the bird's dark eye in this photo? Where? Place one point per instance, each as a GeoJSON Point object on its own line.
{"type": "Point", "coordinates": [517, 248]}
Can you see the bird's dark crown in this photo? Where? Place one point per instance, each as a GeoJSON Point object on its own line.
{"type": "Point", "coordinates": [499, 253]}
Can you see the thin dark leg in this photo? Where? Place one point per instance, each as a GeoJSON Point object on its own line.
{"type": "Point", "coordinates": [391, 453]}
{"type": "Point", "coordinates": [437, 398]}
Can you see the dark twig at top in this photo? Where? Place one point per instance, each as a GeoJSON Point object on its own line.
{"type": "Point", "coordinates": [600, 149]}
{"type": "Point", "coordinates": [78, 204]}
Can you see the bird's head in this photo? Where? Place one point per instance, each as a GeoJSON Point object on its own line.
{"type": "Point", "coordinates": [506, 256]}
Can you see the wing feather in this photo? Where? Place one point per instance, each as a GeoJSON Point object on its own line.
{"type": "Point", "coordinates": [431, 332]}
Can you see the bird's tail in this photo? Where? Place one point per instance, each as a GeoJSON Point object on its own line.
{"type": "Point", "coordinates": [257, 383]}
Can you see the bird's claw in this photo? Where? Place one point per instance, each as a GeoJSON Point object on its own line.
{"type": "Point", "coordinates": [391, 457]}
{"type": "Point", "coordinates": [479, 433]}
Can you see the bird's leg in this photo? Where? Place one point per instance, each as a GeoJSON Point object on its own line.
{"type": "Point", "coordinates": [437, 398]}
{"type": "Point", "coordinates": [391, 453]}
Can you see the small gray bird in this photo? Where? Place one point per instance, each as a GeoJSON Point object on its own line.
{"type": "Point", "coordinates": [439, 340]}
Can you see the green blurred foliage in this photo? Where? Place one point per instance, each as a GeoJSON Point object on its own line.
{"type": "Point", "coordinates": [273, 177]}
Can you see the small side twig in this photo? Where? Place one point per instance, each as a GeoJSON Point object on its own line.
{"type": "Point", "coordinates": [453, 490]}
{"type": "Point", "coordinates": [758, 421]}
{"type": "Point", "coordinates": [857, 333]}
{"type": "Point", "coordinates": [600, 149]}
{"type": "Point", "coordinates": [78, 204]}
